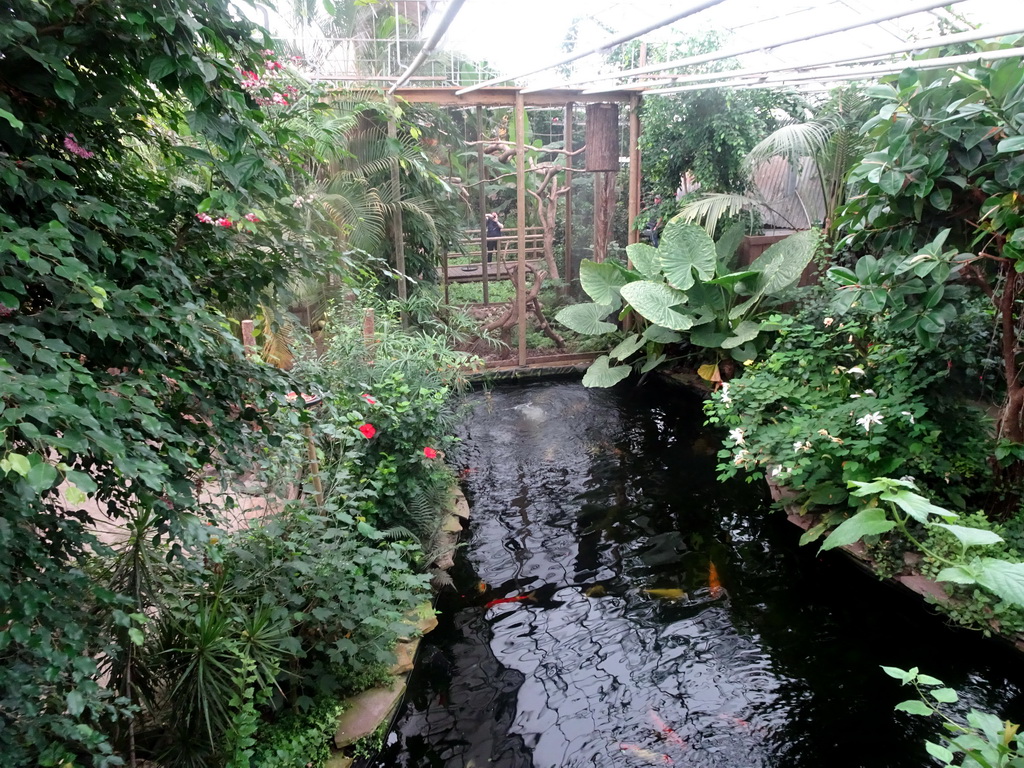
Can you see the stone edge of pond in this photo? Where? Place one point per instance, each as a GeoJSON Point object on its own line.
{"type": "Point", "coordinates": [366, 712]}
{"type": "Point", "coordinates": [909, 579]}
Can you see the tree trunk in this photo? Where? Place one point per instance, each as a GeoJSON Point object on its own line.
{"type": "Point", "coordinates": [1011, 420]}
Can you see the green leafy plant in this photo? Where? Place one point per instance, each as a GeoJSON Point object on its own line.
{"type": "Point", "coordinates": [686, 286]}
{"type": "Point", "coordinates": [949, 155]}
{"type": "Point", "coordinates": [835, 402]}
{"type": "Point", "coordinates": [984, 741]}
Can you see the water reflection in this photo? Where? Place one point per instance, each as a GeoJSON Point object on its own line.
{"type": "Point", "coordinates": [586, 500]}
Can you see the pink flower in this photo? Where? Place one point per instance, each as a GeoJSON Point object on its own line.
{"type": "Point", "coordinates": [204, 218]}
{"type": "Point", "coordinates": [272, 65]}
{"type": "Point", "coordinates": [368, 399]}
{"type": "Point", "coordinates": [252, 217]}
{"type": "Point", "coordinates": [72, 146]}
{"type": "Point", "coordinates": [430, 453]}
{"type": "Point", "coordinates": [222, 222]}
{"type": "Point", "coordinates": [368, 430]}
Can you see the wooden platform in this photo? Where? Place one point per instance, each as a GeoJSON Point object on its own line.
{"type": "Point", "coordinates": [474, 273]}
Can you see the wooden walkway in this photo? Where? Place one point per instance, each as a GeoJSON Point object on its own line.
{"type": "Point", "coordinates": [474, 273]}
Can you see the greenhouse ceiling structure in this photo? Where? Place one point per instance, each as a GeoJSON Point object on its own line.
{"type": "Point", "coordinates": [800, 44]}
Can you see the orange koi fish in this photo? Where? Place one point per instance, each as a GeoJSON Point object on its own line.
{"type": "Point", "coordinates": [713, 583]}
{"type": "Point", "coordinates": [645, 754]}
{"type": "Point", "coordinates": [664, 729]}
{"type": "Point", "coordinates": [513, 599]}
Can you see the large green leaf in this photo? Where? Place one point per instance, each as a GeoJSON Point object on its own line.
{"type": "Point", "coordinates": [653, 362]}
{"type": "Point", "coordinates": [601, 375]}
{"type": "Point", "coordinates": [867, 522]}
{"type": "Point", "coordinates": [654, 302]}
{"type": "Point", "coordinates": [917, 506]}
{"type": "Point", "coordinates": [645, 259]}
{"type": "Point", "coordinates": [588, 319]}
{"type": "Point", "coordinates": [627, 347]}
{"type": "Point", "coordinates": [708, 336]}
{"type": "Point", "coordinates": [729, 242]}
{"type": "Point", "coordinates": [686, 249]}
{"type": "Point", "coordinates": [1005, 579]}
{"type": "Point", "coordinates": [660, 335]}
{"type": "Point", "coordinates": [602, 281]}
{"type": "Point", "coordinates": [733, 278]}
{"type": "Point", "coordinates": [783, 263]}
{"type": "Point", "coordinates": [742, 333]}
{"type": "Point", "coordinates": [972, 537]}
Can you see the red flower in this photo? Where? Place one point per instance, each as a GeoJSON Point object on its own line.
{"type": "Point", "coordinates": [252, 217]}
{"type": "Point", "coordinates": [368, 430]}
{"type": "Point", "coordinates": [368, 399]}
{"type": "Point", "coordinates": [430, 453]}
{"type": "Point", "coordinates": [223, 222]}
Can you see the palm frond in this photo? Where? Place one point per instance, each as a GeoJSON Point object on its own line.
{"type": "Point", "coordinates": [709, 209]}
{"type": "Point", "coordinates": [792, 142]}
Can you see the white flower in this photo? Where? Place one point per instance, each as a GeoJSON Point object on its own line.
{"type": "Point", "coordinates": [737, 435]}
{"type": "Point", "coordinates": [741, 457]}
{"type": "Point", "coordinates": [869, 392]}
{"type": "Point", "coordinates": [909, 415]}
{"type": "Point", "coordinates": [869, 419]}
{"type": "Point", "coordinates": [856, 370]}
{"type": "Point", "coordinates": [776, 471]}
{"type": "Point", "coordinates": [725, 393]}
{"type": "Point", "coordinates": [828, 321]}
{"type": "Point", "coordinates": [854, 397]}
{"type": "Point", "coordinates": [802, 446]}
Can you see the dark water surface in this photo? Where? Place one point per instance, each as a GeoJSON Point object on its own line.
{"type": "Point", "coordinates": [588, 499]}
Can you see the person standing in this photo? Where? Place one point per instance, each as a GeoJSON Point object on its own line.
{"type": "Point", "coordinates": [653, 227]}
{"type": "Point", "coordinates": [494, 228]}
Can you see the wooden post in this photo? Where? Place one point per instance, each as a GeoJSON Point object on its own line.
{"type": "Point", "coordinates": [399, 234]}
{"type": "Point", "coordinates": [521, 222]}
{"type": "Point", "coordinates": [482, 196]}
{"type": "Point", "coordinates": [248, 338]}
{"type": "Point", "coordinates": [569, 265]}
{"type": "Point", "coordinates": [314, 465]}
{"type": "Point", "coordinates": [369, 329]}
{"type": "Point", "coordinates": [634, 168]}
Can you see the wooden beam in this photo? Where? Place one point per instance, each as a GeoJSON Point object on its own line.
{"type": "Point", "coordinates": [634, 169]}
{"type": "Point", "coordinates": [567, 242]}
{"type": "Point", "coordinates": [506, 97]}
{"type": "Point", "coordinates": [521, 222]}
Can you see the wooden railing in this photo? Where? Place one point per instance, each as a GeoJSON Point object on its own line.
{"type": "Point", "coordinates": [508, 243]}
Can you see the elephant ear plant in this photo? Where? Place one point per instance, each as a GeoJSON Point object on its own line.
{"type": "Point", "coordinates": [686, 289]}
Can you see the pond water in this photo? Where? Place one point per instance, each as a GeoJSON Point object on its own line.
{"type": "Point", "coordinates": [602, 509]}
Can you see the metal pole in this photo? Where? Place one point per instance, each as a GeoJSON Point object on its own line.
{"type": "Point", "coordinates": [482, 195]}
{"type": "Point", "coordinates": [921, 45]}
{"type": "Point", "coordinates": [728, 53]}
{"type": "Point", "coordinates": [449, 15]}
{"type": "Point", "coordinates": [521, 223]}
{"type": "Point", "coordinates": [851, 74]}
{"type": "Point", "coordinates": [569, 263]}
{"type": "Point", "coordinates": [697, 8]}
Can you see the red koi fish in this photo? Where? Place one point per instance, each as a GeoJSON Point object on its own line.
{"type": "Point", "coordinates": [735, 720]}
{"type": "Point", "coordinates": [713, 583]}
{"type": "Point", "coordinates": [645, 754]}
{"type": "Point", "coordinates": [513, 599]}
{"type": "Point", "coordinates": [665, 731]}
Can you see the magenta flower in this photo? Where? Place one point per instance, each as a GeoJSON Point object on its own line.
{"type": "Point", "coordinates": [368, 430]}
{"type": "Point", "coordinates": [204, 218]}
{"type": "Point", "coordinates": [368, 399]}
{"type": "Point", "coordinates": [72, 146]}
{"type": "Point", "coordinates": [430, 453]}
